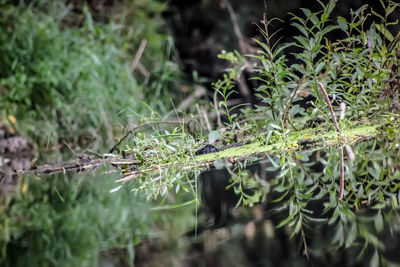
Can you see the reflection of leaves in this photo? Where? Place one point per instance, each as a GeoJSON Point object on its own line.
{"type": "Point", "coordinates": [351, 235]}
{"type": "Point", "coordinates": [370, 184]}
{"type": "Point", "coordinates": [375, 259]}
{"type": "Point", "coordinates": [378, 222]}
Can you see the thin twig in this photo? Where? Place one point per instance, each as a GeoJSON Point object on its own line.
{"type": "Point", "coordinates": [198, 93]}
{"type": "Point", "coordinates": [244, 44]}
{"type": "Point", "coordinates": [69, 147]}
{"type": "Point", "coordinates": [303, 236]}
{"type": "Point", "coordinates": [207, 122]}
{"type": "Point", "coordinates": [143, 71]}
{"type": "Point", "coordinates": [243, 88]}
{"type": "Point", "coordinates": [219, 122]}
{"type": "Point", "coordinates": [245, 48]}
{"type": "Point", "coordinates": [321, 86]}
{"type": "Point", "coordinates": [341, 183]}
{"type": "Point", "coordinates": [199, 115]}
{"type": "Point", "coordinates": [139, 54]}
{"type": "Point", "coordinates": [236, 28]}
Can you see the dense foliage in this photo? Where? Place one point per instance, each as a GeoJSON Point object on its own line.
{"type": "Point", "coordinates": [68, 221]}
{"type": "Point", "coordinates": [71, 74]}
{"type": "Point", "coordinates": [67, 76]}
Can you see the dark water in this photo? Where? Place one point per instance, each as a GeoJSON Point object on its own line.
{"type": "Point", "coordinates": [268, 210]}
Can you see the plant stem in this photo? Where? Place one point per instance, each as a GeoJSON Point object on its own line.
{"type": "Point", "coordinates": [341, 184]}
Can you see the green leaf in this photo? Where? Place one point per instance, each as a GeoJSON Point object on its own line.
{"type": "Point", "coordinates": [375, 259]}
{"type": "Point", "coordinates": [296, 229]}
{"type": "Point", "coordinates": [385, 32]}
{"type": "Point", "coordinates": [268, 137]}
{"type": "Point", "coordinates": [275, 126]}
{"type": "Point", "coordinates": [330, 7]}
{"type": "Point", "coordinates": [273, 162]}
{"type": "Point", "coordinates": [282, 47]}
{"type": "Point", "coordinates": [378, 221]}
{"type": "Point", "coordinates": [314, 19]}
{"type": "Point", "coordinates": [213, 136]}
{"type": "Point", "coordinates": [303, 41]}
{"type": "Point", "coordinates": [286, 221]}
{"type": "Point", "coordinates": [317, 220]}
{"type": "Point", "coordinates": [361, 9]}
{"type": "Point", "coordinates": [351, 236]}
{"type": "Point", "coordinates": [334, 216]}
{"type": "Point", "coordinates": [282, 161]}
{"type": "Point", "coordinates": [342, 24]}
{"type": "Point", "coordinates": [324, 17]}
{"type": "Point", "coordinates": [306, 12]}
{"type": "Point", "coordinates": [279, 199]}
{"type": "Point", "coordinates": [372, 36]}
{"type": "Point", "coordinates": [319, 67]}
{"type": "Point", "coordinates": [301, 28]}
{"type": "Point", "coordinates": [329, 29]}
{"type": "Point", "coordinates": [338, 237]}
{"type": "Point", "coordinates": [170, 147]}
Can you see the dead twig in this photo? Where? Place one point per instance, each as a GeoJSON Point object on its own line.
{"type": "Point", "coordinates": [198, 93]}
{"type": "Point", "coordinates": [82, 163]}
{"type": "Point", "coordinates": [207, 122]}
{"type": "Point", "coordinates": [243, 88]}
{"type": "Point", "coordinates": [321, 86]}
{"type": "Point", "coordinates": [245, 48]}
{"type": "Point", "coordinates": [341, 183]}
{"type": "Point", "coordinates": [219, 122]}
{"type": "Point", "coordinates": [138, 55]}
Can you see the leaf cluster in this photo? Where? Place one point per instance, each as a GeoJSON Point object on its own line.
{"type": "Point", "coordinates": [66, 76]}
{"type": "Point", "coordinates": [355, 68]}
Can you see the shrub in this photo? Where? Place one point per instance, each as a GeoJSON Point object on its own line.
{"type": "Point", "coordinates": [67, 82]}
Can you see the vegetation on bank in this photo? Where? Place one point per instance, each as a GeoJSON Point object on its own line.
{"type": "Point", "coordinates": [72, 75]}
